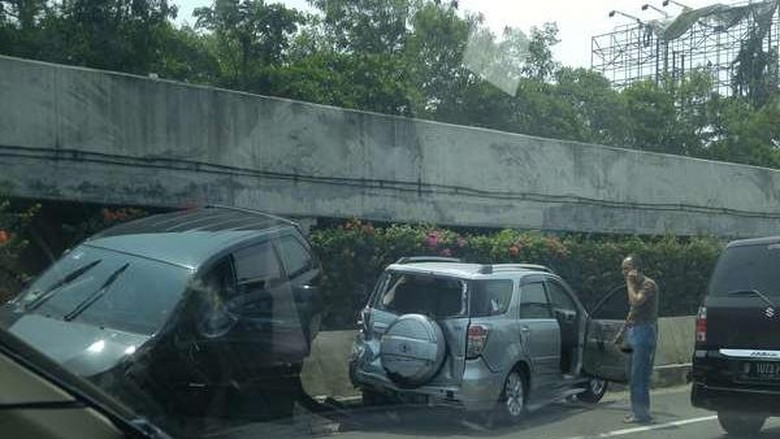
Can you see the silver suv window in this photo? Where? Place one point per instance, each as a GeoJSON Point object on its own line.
{"type": "Point", "coordinates": [533, 302]}
{"type": "Point", "coordinates": [559, 297]}
{"type": "Point", "coordinates": [490, 297]}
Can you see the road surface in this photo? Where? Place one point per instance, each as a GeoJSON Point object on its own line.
{"type": "Point", "coordinates": [674, 419]}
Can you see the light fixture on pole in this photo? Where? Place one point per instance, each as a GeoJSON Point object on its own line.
{"type": "Point", "coordinates": [647, 6]}
{"type": "Point", "coordinates": [613, 13]}
{"type": "Point", "coordinates": [666, 3]}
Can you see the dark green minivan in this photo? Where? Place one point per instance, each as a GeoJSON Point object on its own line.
{"type": "Point", "coordinates": [173, 311]}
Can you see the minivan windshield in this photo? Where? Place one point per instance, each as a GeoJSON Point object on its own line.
{"type": "Point", "coordinates": [107, 289]}
{"type": "Point", "coordinates": [745, 268]}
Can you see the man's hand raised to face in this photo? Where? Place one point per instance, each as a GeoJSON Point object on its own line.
{"type": "Point", "coordinates": [632, 277]}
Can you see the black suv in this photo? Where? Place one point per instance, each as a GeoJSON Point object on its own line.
{"type": "Point", "coordinates": [736, 363]}
{"type": "Point", "coordinates": [174, 310]}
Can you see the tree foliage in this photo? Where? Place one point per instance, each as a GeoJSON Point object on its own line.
{"type": "Point", "coordinates": [409, 57]}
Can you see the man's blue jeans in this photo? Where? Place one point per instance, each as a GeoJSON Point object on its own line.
{"type": "Point", "coordinates": [642, 339]}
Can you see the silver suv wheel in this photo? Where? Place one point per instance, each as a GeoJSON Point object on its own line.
{"type": "Point", "coordinates": [513, 396]}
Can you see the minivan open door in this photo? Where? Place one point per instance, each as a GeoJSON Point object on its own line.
{"type": "Point", "coordinates": [602, 357]}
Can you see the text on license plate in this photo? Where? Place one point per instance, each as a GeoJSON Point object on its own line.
{"type": "Point", "coordinates": [770, 371]}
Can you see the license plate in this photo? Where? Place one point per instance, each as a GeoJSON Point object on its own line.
{"type": "Point", "coordinates": [761, 371]}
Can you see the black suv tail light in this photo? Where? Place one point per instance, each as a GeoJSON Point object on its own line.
{"type": "Point", "coordinates": [476, 340]}
{"type": "Point", "coordinates": [701, 325]}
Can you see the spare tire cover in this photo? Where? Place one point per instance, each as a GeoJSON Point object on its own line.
{"type": "Point", "coordinates": [412, 350]}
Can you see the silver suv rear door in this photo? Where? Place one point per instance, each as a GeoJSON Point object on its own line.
{"type": "Point", "coordinates": [443, 299]}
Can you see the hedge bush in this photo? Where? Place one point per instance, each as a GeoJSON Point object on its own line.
{"type": "Point", "coordinates": [13, 223]}
{"type": "Point", "coordinates": [354, 254]}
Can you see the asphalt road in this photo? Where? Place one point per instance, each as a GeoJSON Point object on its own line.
{"type": "Point", "coordinates": [674, 419]}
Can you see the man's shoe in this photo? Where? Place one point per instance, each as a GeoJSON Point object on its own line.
{"type": "Point", "coordinates": [630, 419]}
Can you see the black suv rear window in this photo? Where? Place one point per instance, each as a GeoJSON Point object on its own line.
{"type": "Point", "coordinates": [752, 267]}
{"type": "Point", "coordinates": [436, 297]}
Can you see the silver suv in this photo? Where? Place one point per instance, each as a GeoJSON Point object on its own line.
{"type": "Point", "coordinates": [492, 339]}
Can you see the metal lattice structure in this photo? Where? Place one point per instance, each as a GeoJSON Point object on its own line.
{"type": "Point", "coordinates": [708, 38]}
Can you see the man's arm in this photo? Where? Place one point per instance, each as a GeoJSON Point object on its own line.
{"type": "Point", "coordinates": [639, 295]}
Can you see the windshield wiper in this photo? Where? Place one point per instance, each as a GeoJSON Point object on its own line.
{"type": "Point", "coordinates": [49, 293]}
{"type": "Point", "coordinates": [80, 308]}
{"type": "Point", "coordinates": [753, 292]}
{"type": "Point", "coordinates": [148, 429]}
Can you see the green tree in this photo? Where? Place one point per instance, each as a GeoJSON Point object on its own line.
{"type": "Point", "coordinates": [597, 109]}
{"type": "Point", "coordinates": [541, 64]}
{"type": "Point", "coordinates": [744, 134]}
{"type": "Point", "coordinates": [366, 26]}
{"type": "Point", "coordinates": [122, 35]}
{"type": "Point", "coordinates": [249, 37]}
{"type": "Point", "coordinates": [370, 82]}
{"type": "Point", "coordinates": [434, 54]}
{"type": "Point", "coordinates": [671, 116]}
{"type": "Point", "coordinates": [20, 26]}
{"type": "Point", "coordinates": [188, 56]}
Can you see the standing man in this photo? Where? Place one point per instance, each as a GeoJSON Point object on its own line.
{"type": "Point", "coordinates": [641, 331]}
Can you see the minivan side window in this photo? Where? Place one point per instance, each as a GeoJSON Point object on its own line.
{"type": "Point", "coordinates": [221, 279]}
{"type": "Point", "coordinates": [295, 257]}
{"type": "Point", "coordinates": [533, 302]}
{"type": "Point", "coordinates": [257, 267]}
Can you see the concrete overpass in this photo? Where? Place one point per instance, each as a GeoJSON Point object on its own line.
{"type": "Point", "coordinates": [80, 134]}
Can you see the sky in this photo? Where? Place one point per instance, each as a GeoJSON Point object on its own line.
{"type": "Point", "coordinates": [578, 20]}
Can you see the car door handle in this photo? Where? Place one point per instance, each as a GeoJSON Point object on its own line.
{"type": "Point", "coordinates": [525, 334]}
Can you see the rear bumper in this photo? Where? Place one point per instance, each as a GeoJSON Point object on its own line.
{"type": "Point", "coordinates": [717, 386]}
{"type": "Point", "coordinates": [718, 398]}
{"type": "Point", "coordinates": [478, 390]}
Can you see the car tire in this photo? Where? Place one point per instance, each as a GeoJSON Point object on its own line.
{"type": "Point", "coordinates": [740, 424]}
{"type": "Point", "coordinates": [511, 407]}
{"type": "Point", "coordinates": [595, 390]}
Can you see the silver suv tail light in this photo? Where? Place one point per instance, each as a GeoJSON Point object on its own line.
{"type": "Point", "coordinates": [476, 340]}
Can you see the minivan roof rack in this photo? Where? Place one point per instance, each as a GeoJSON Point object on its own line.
{"type": "Point", "coordinates": [412, 259]}
{"type": "Point", "coordinates": [254, 212]}
{"type": "Point", "coordinates": [490, 268]}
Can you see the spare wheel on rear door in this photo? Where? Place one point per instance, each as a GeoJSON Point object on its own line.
{"type": "Point", "coordinates": [412, 350]}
